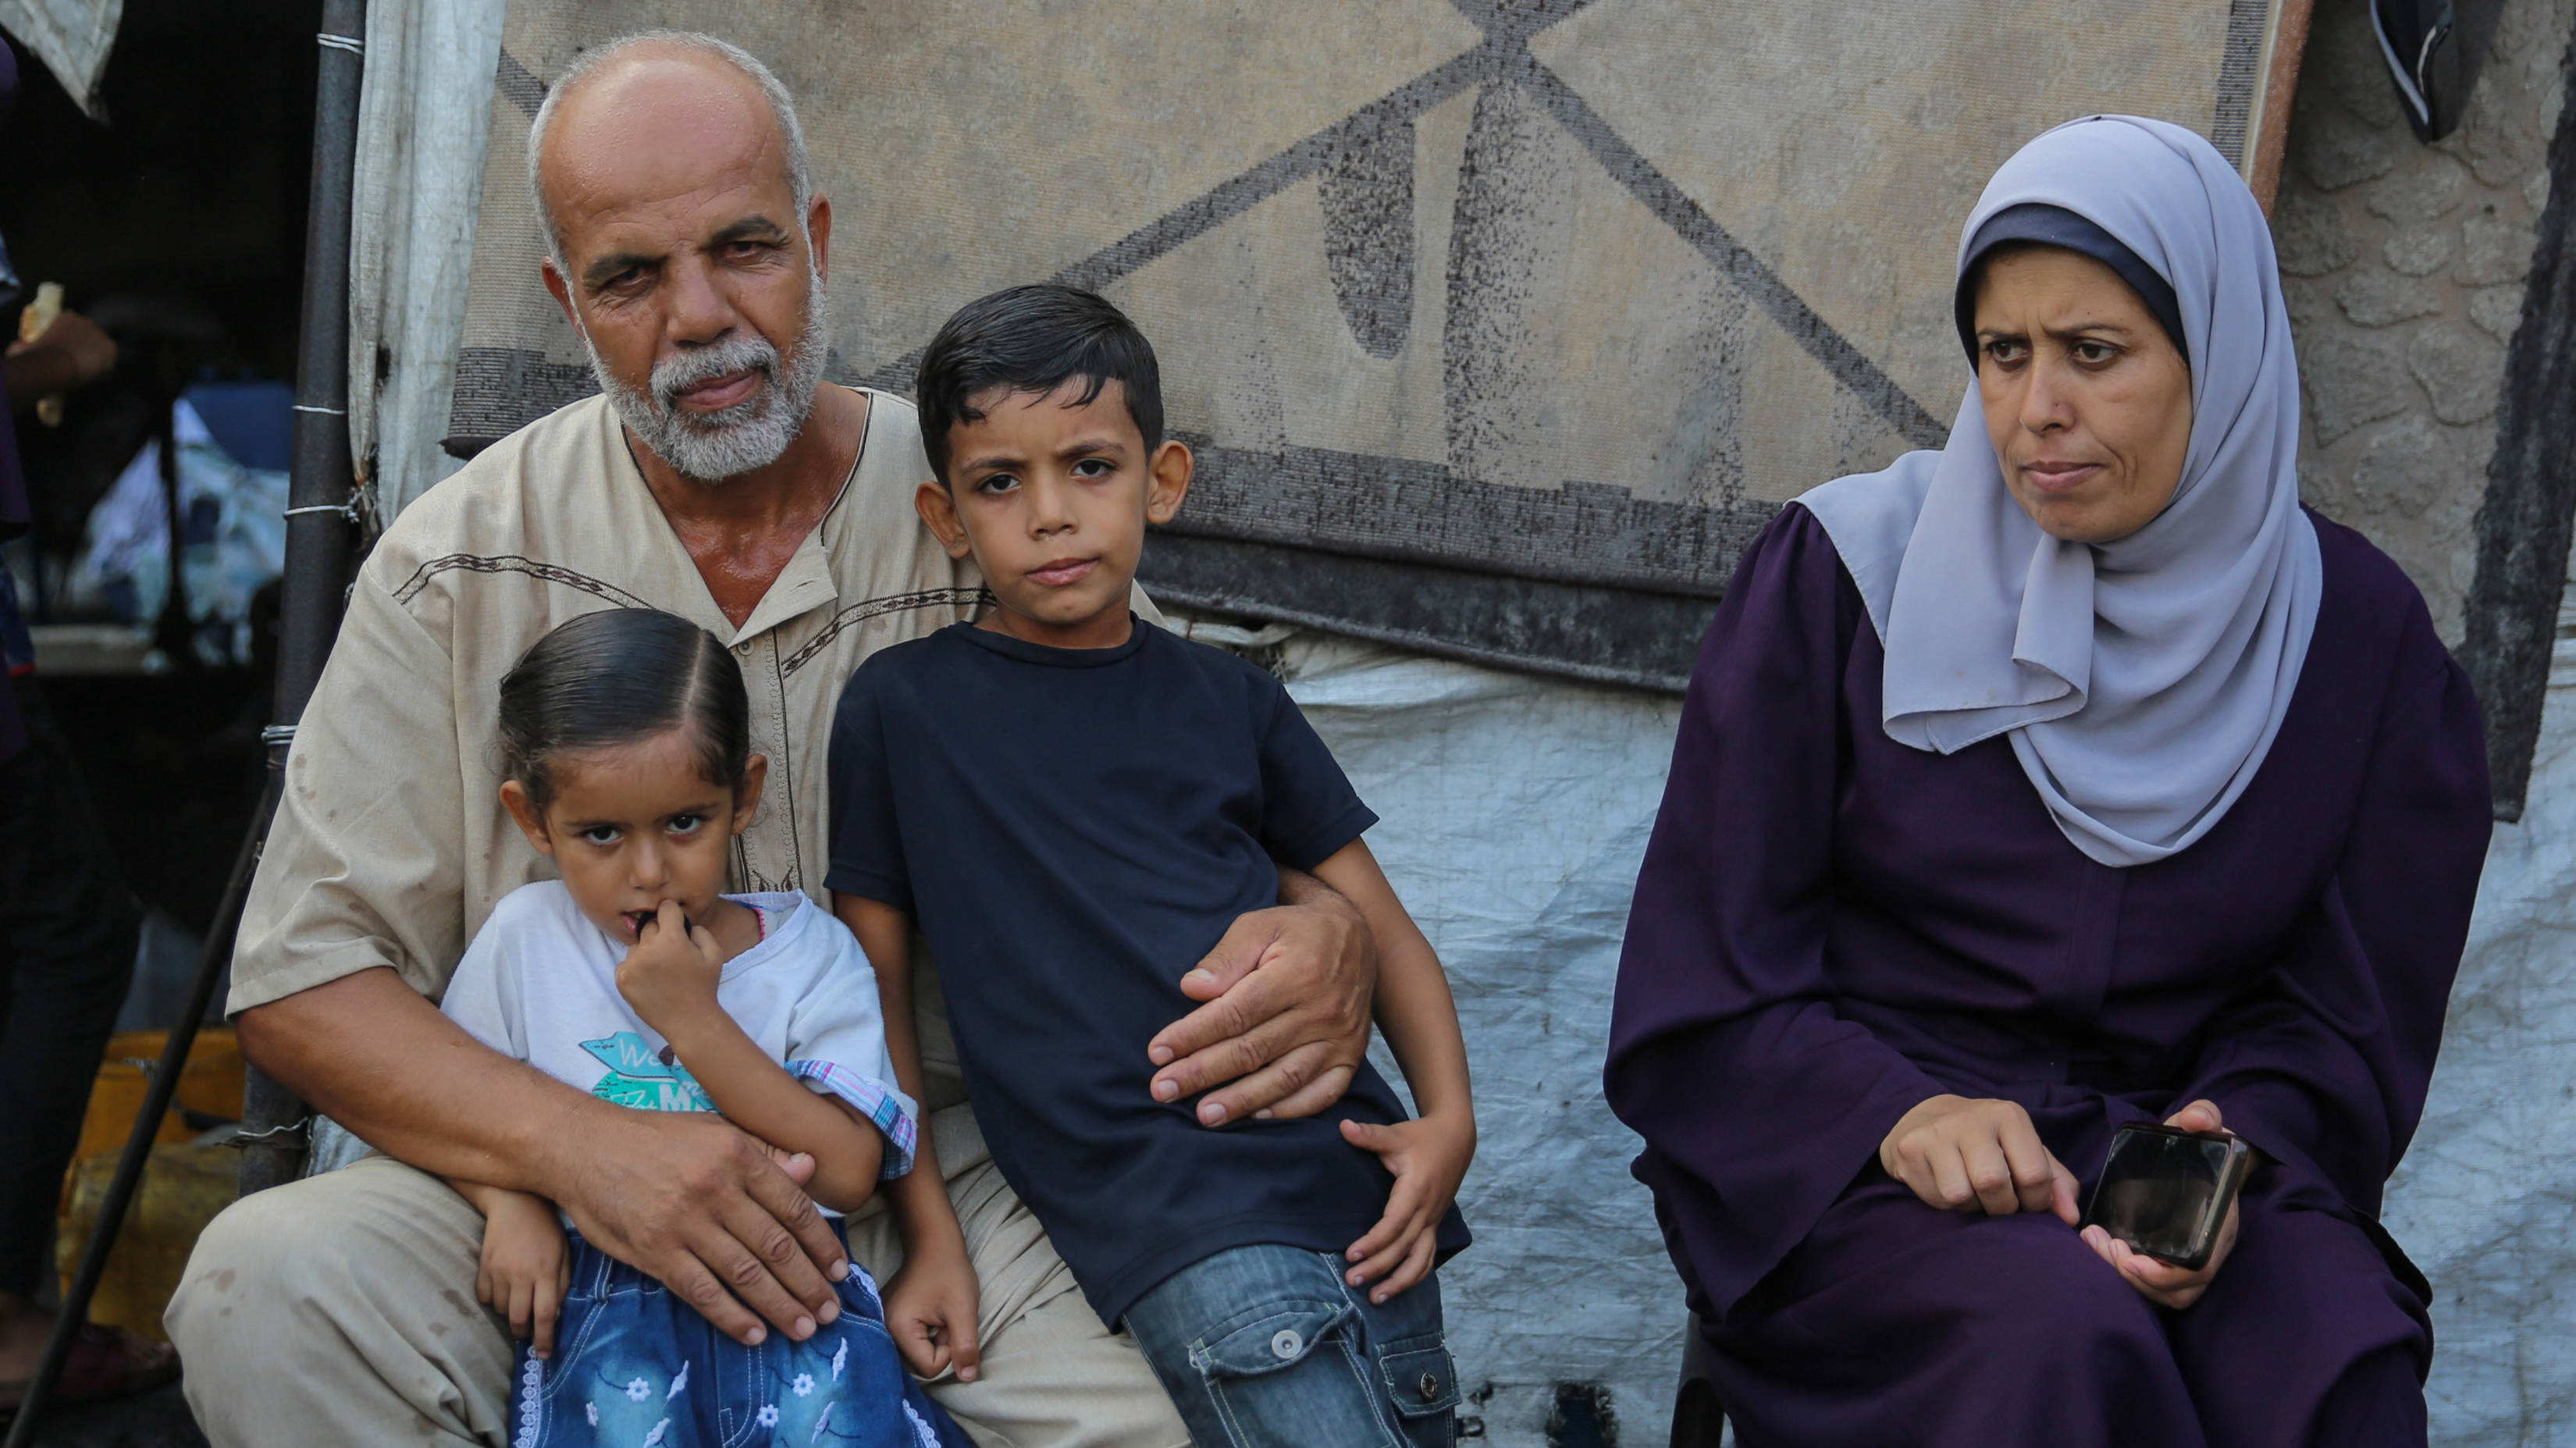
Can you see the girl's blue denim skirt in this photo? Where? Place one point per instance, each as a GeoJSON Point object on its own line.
{"type": "Point", "coordinates": [636, 1367]}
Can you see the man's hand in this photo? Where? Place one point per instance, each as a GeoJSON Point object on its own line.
{"type": "Point", "coordinates": [1964, 1155]}
{"type": "Point", "coordinates": [526, 1266]}
{"type": "Point", "coordinates": [1287, 1020]}
{"type": "Point", "coordinates": [2156, 1280]}
{"type": "Point", "coordinates": [672, 970]}
{"type": "Point", "coordinates": [692, 1200]}
{"type": "Point", "coordinates": [930, 1309]}
{"type": "Point", "coordinates": [684, 1196]}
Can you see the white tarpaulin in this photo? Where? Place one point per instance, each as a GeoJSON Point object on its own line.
{"type": "Point", "coordinates": [424, 119]}
{"type": "Point", "coordinates": [72, 38]}
{"type": "Point", "coordinates": [2483, 1203]}
{"type": "Point", "coordinates": [1514, 812]}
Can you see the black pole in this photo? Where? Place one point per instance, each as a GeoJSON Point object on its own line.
{"type": "Point", "coordinates": [321, 512]}
{"type": "Point", "coordinates": [2529, 516]}
{"type": "Point", "coordinates": [175, 631]}
{"type": "Point", "coordinates": [216, 954]}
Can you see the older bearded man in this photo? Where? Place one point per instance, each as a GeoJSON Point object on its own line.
{"type": "Point", "coordinates": [714, 479]}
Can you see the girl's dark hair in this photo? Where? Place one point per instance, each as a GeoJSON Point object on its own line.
{"type": "Point", "coordinates": [613, 678]}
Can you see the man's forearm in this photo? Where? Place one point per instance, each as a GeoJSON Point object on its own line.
{"type": "Point", "coordinates": [370, 1053]}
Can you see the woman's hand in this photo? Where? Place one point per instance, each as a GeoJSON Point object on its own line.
{"type": "Point", "coordinates": [930, 1309]}
{"type": "Point", "coordinates": [1963, 1155]}
{"type": "Point", "coordinates": [2158, 1281]}
{"type": "Point", "coordinates": [526, 1266]}
{"type": "Point", "coordinates": [1429, 1158]}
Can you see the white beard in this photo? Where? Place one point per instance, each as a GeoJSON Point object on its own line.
{"type": "Point", "coordinates": [747, 436]}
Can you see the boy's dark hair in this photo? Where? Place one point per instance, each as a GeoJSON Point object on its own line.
{"type": "Point", "coordinates": [615, 677]}
{"type": "Point", "coordinates": [1034, 339]}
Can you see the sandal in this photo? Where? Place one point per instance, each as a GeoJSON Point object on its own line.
{"type": "Point", "coordinates": [99, 1367]}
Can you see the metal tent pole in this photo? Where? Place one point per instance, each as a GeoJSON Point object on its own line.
{"type": "Point", "coordinates": [322, 510]}
{"type": "Point", "coordinates": [321, 528]}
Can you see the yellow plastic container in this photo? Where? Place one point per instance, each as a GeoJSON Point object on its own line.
{"type": "Point", "coordinates": [183, 1187]}
{"type": "Point", "coordinates": [211, 1085]}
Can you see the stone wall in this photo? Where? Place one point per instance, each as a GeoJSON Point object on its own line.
{"type": "Point", "coordinates": [2403, 265]}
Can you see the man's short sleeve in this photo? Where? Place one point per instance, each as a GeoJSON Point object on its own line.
{"type": "Point", "coordinates": [1308, 808]}
{"type": "Point", "coordinates": [364, 862]}
{"type": "Point", "coordinates": [867, 843]}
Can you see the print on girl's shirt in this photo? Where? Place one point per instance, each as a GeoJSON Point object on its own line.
{"type": "Point", "coordinates": [644, 1078]}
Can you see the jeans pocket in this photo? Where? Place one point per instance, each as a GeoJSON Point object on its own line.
{"type": "Point", "coordinates": [1422, 1386]}
{"type": "Point", "coordinates": [1294, 1378]}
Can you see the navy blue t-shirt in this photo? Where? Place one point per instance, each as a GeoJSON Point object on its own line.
{"type": "Point", "coordinates": [1072, 830]}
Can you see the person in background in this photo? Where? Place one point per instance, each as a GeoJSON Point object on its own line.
{"type": "Point", "coordinates": [67, 927]}
{"type": "Point", "coordinates": [2068, 777]}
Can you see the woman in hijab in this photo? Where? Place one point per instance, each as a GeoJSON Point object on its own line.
{"type": "Point", "coordinates": [2067, 777]}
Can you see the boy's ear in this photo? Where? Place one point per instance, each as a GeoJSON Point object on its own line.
{"type": "Point", "coordinates": [939, 513]}
{"type": "Point", "coordinates": [746, 791]}
{"type": "Point", "coordinates": [532, 823]}
{"type": "Point", "coordinates": [1171, 466]}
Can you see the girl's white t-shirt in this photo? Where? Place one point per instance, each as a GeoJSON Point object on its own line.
{"type": "Point", "coordinates": [539, 984]}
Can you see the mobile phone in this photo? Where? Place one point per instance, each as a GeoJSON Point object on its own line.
{"type": "Point", "coordinates": [2165, 1191]}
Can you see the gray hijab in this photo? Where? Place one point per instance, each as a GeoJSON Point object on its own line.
{"type": "Point", "coordinates": [2143, 680]}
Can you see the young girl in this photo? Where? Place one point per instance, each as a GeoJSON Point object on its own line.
{"type": "Point", "coordinates": [628, 761]}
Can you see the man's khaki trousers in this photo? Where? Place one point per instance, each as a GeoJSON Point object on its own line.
{"type": "Point", "coordinates": [339, 1310]}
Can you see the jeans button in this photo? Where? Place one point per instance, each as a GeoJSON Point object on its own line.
{"type": "Point", "coordinates": [1430, 1386]}
{"type": "Point", "coordinates": [1284, 1343]}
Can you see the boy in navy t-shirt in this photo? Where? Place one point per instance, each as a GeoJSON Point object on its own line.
{"type": "Point", "coordinates": [1072, 806]}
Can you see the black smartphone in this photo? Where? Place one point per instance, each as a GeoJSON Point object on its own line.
{"type": "Point", "coordinates": [2165, 1191]}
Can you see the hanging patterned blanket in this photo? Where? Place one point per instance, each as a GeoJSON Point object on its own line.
{"type": "Point", "coordinates": [1500, 326]}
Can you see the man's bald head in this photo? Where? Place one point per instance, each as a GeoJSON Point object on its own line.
{"type": "Point", "coordinates": [685, 244]}
{"type": "Point", "coordinates": [648, 62]}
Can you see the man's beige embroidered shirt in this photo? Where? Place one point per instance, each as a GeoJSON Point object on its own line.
{"type": "Point", "coordinates": [391, 846]}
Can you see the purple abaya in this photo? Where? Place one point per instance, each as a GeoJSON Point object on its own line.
{"type": "Point", "coordinates": [1831, 927]}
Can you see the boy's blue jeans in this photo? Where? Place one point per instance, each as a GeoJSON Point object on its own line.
{"type": "Point", "coordinates": [633, 1364]}
{"type": "Point", "coordinates": [1267, 1347]}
